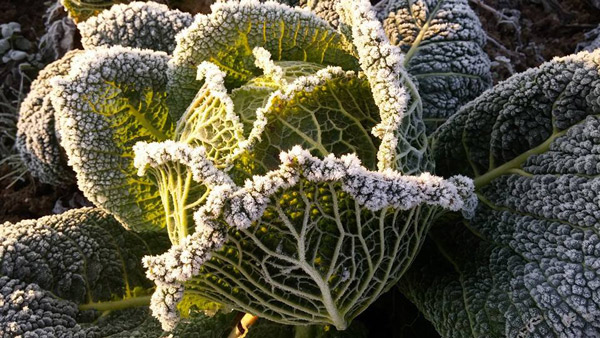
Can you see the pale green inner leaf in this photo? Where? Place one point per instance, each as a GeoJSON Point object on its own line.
{"type": "Point", "coordinates": [132, 115]}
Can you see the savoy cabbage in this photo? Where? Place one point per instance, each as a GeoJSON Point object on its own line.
{"type": "Point", "coordinates": [443, 46]}
{"type": "Point", "coordinates": [275, 160]}
{"type": "Point", "coordinates": [50, 265]}
{"type": "Point", "coordinates": [253, 180]}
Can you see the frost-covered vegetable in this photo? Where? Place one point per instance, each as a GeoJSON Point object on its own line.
{"type": "Point", "coordinates": [528, 263]}
{"type": "Point", "coordinates": [138, 24]}
{"type": "Point", "coordinates": [141, 25]}
{"type": "Point", "coordinates": [283, 152]}
{"type": "Point", "coordinates": [277, 152]}
{"type": "Point", "coordinates": [51, 265]}
{"type": "Point", "coordinates": [81, 10]}
{"type": "Point", "coordinates": [37, 137]}
{"type": "Point", "coordinates": [443, 41]}
{"type": "Point", "coordinates": [55, 270]}
{"type": "Point", "coordinates": [111, 99]}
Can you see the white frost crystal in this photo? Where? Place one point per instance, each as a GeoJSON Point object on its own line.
{"type": "Point", "coordinates": [37, 138]}
{"type": "Point", "coordinates": [264, 61]}
{"type": "Point", "coordinates": [161, 153]}
{"type": "Point", "coordinates": [287, 33]}
{"type": "Point", "coordinates": [531, 251]}
{"type": "Point", "coordinates": [310, 239]}
{"type": "Point", "coordinates": [95, 115]}
{"type": "Point", "coordinates": [164, 304]}
{"type": "Point", "coordinates": [382, 63]}
{"type": "Point", "coordinates": [443, 42]}
{"type": "Point", "coordinates": [136, 24]}
{"type": "Point", "coordinates": [241, 206]}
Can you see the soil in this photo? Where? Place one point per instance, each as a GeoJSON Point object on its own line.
{"type": "Point", "coordinates": [30, 199]}
{"type": "Point", "coordinates": [26, 12]}
{"type": "Point", "coordinates": [529, 32]}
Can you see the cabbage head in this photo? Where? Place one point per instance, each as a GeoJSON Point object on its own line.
{"type": "Point", "coordinates": [286, 159]}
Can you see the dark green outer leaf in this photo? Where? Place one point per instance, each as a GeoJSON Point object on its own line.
{"type": "Point", "coordinates": [443, 41]}
{"type": "Point", "coordinates": [51, 265]}
{"type": "Point", "coordinates": [146, 25]}
{"type": "Point", "coordinates": [529, 265]}
{"type": "Point", "coordinates": [37, 140]}
{"type": "Point", "coordinates": [80, 256]}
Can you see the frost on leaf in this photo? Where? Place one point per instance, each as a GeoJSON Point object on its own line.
{"type": "Point", "coordinates": [306, 223]}
{"type": "Point", "coordinates": [111, 99]}
{"type": "Point", "coordinates": [382, 64]}
{"type": "Point", "coordinates": [138, 24]}
{"type": "Point", "coordinates": [175, 166]}
{"type": "Point", "coordinates": [35, 251]}
{"type": "Point", "coordinates": [52, 264]}
{"type": "Point", "coordinates": [27, 310]}
{"type": "Point", "coordinates": [443, 41]}
{"type": "Point", "coordinates": [329, 111]}
{"type": "Point", "coordinates": [37, 137]}
{"type": "Point", "coordinates": [313, 237]}
{"type": "Point", "coordinates": [394, 93]}
{"type": "Point", "coordinates": [316, 235]}
{"type": "Point", "coordinates": [531, 144]}
{"type": "Point", "coordinates": [228, 35]}
{"type": "Point", "coordinates": [325, 9]}
{"type": "Point", "coordinates": [210, 121]}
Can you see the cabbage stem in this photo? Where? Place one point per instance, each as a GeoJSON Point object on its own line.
{"type": "Point", "coordinates": [515, 163]}
{"type": "Point", "coordinates": [241, 328]}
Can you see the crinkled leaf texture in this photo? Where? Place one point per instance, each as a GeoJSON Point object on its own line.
{"type": "Point", "coordinates": [528, 263]}
{"type": "Point", "coordinates": [443, 41]}
{"type": "Point", "coordinates": [50, 265]}
{"type": "Point", "coordinates": [53, 270]}
{"type": "Point", "coordinates": [137, 24]}
{"type": "Point", "coordinates": [111, 99]}
{"type": "Point", "coordinates": [317, 235]}
{"type": "Point", "coordinates": [227, 36]}
{"type": "Point", "coordinates": [311, 238]}
{"type": "Point", "coordinates": [37, 137]}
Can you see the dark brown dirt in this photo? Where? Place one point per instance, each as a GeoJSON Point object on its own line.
{"type": "Point", "coordinates": [32, 199]}
{"type": "Point", "coordinates": [192, 6]}
{"type": "Point", "coordinates": [29, 14]}
{"type": "Point", "coordinates": [529, 32]}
